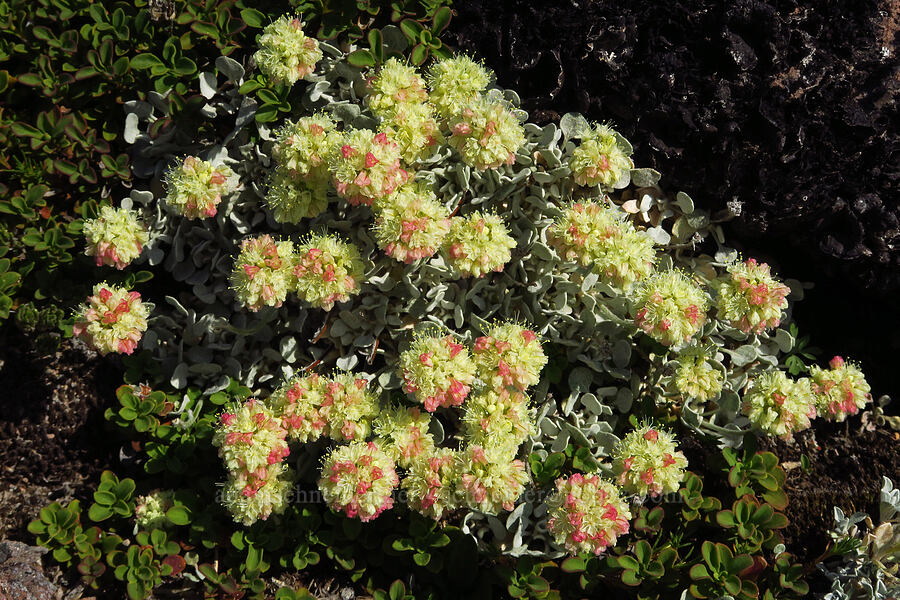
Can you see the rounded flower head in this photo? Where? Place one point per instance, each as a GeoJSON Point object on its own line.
{"type": "Point", "coordinates": [841, 390]}
{"type": "Point", "coordinates": [599, 236]}
{"type": "Point", "coordinates": [697, 378]}
{"type": "Point", "coordinates": [113, 320]}
{"type": "Point", "coordinates": [395, 85]}
{"type": "Point", "coordinates": [499, 419]}
{"type": "Point", "coordinates": [587, 514]}
{"type": "Point", "coordinates": [486, 134]}
{"type": "Point", "coordinates": [599, 159]}
{"type": "Point", "coordinates": [478, 244]}
{"type": "Point", "coordinates": [150, 511]}
{"type": "Point", "coordinates": [403, 433]}
{"type": "Point", "coordinates": [292, 199]}
{"type": "Point", "coordinates": [455, 83]}
{"type": "Point", "coordinates": [438, 371]}
{"type": "Point", "coordinates": [300, 405]}
{"type": "Point", "coordinates": [262, 273]}
{"type": "Point", "coordinates": [669, 307]}
{"type": "Point", "coordinates": [366, 166]}
{"type": "Point", "coordinates": [302, 147]}
{"type": "Point", "coordinates": [489, 480]}
{"type": "Point", "coordinates": [351, 406]}
{"type": "Point", "coordinates": [751, 299]}
{"type": "Point", "coordinates": [116, 237]}
{"type": "Point", "coordinates": [647, 463]}
{"type": "Point", "coordinates": [359, 479]}
{"type": "Point", "coordinates": [415, 131]}
{"type": "Point", "coordinates": [195, 187]}
{"type": "Point", "coordinates": [285, 53]}
{"type": "Point", "coordinates": [410, 224]}
{"type": "Point", "coordinates": [327, 270]}
{"type": "Point", "coordinates": [776, 405]}
{"type": "Point", "coordinates": [251, 496]}
{"type": "Point", "coordinates": [250, 436]}
{"type": "Point", "coordinates": [509, 356]}
{"type": "Point", "coordinates": [431, 483]}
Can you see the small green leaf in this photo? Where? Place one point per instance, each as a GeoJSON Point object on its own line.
{"type": "Point", "coordinates": [253, 18]}
{"type": "Point", "coordinates": [179, 515]}
{"type": "Point", "coordinates": [145, 61]}
{"type": "Point", "coordinates": [361, 59]}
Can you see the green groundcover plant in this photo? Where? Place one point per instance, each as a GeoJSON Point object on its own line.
{"type": "Point", "coordinates": [402, 333]}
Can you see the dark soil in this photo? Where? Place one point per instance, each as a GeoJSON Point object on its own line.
{"type": "Point", "coordinates": [52, 445]}
{"type": "Point", "coordinates": [789, 107]}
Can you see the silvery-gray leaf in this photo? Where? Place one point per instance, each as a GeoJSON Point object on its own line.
{"type": "Point", "coordinates": [230, 68]}
{"type": "Point", "coordinates": [179, 376]}
{"type": "Point", "coordinates": [574, 125]}
{"type": "Point", "coordinates": [131, 128]}
{"type": "Point", "coordinates": [208, 85]}
{"type": "Point", "coordinates": [684, 202]}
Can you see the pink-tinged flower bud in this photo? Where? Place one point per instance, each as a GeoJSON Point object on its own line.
{"type": "Point", "coordinates": [411, 224]}
{"type": "Point", "coordinates": [488, 137]}
{"type": "Point", "coordinates": [669, 307]}
{"type": "Point", "coordinates": [285, 53]}
{"type": "Point", "coordinates": [366, 169]}
{"type": "Point", "coordinates": [488, 480]}
{"type": "Point", "coordinates": [327, 270]}
{"type": "Point", "coordinates": [600, 159]}
{"type": "Point", "coordinates": [478, 244]}
{"type": "Point", "coordinates": [840, 391]}
{"type": "Point", "coordinates": [113, 320]}
{"type": "Point", "coordinates": [501, 420]}
{"type": "Point", "coordinates": [437, 371]}
{"type": "Point", "coordinates": [116, 237]}
{"type": "Point", "coordinates": [403, 433]}
{"type": "Point", "coordinates": [455, 84]}
{"type": "Point", "coordinates": [262, 274]}
{"type": "Point", "coordinates": [587, 514]}
{"type": "Point", "coordinates": [250, 437]}
{"type": "Point", "coordinates": [697, 377]}
{"type": "Point", "coordinates": [776, 405]}
{"type": "Point", "coordinates": [195, 188]}
{"type": "Point", "coordinates": [751, 299]}
{"type": "Point", "coordinates": [505, 359]}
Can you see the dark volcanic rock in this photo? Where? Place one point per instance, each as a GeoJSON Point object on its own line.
{"type": "Point", "coordinates": [21, 574]}
{"type": "Point", "coordinates": [789, 107]}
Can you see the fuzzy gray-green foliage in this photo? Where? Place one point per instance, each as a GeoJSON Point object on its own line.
{"type": "Point", "coordinates": [202, 335]}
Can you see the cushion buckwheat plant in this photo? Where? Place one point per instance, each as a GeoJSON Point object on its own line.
{"type": "Point", "coordinates": [488, 480]}
{"type": "Point", "coordinates": [395, 85]}
{"type": "Point", "coordinates": [327, 270]}
{"type": "Point", "coordinates": [696, 377]}
{"type": "Point", "coordinates": [196, 187]}
{"type": "Point", "coordinates": [646, 462]}
{"type": "Point", "coordinates": [455, 83]}
{"type": "Point", "coordinates": [669, 307]}
{"type": "Point", "coordinates": [778, 405]}
{"type": "Point", "coordinates": [840, 391]}
{"type": "Point", "coordinates": [431, 483]}
{"type": "Point", "coordinates": [486, 134]}
{"type": "Point", "coordinates": [302, 147]}
{"type": "Point", "coordinates": [359, 480]}
{"type": "Point", "coordinates": [403, 433]}
{"type": "Point", "coordinates": [285, 53]}
{"type": "Point", "coordinates": [113, 320]}
{"type": "Point", "coordinates": [411, 224]}
{"type": "Point", "coordinates": [600, 159]}
{"type": "Point", "coordinates": [437, 371]}
{"type": "Point", "coordinates": [116, 237]}
{"type": "Point", "coordinates": [587, 514]}
{"type": "Point", "coordinates": [598, 236]}
{"type": "Point", "coordinates": [478, 244]}
{"type": "Point", "coordinates": [366, 166]}
{"type": "Point", "coordinates": [263, 272]}
{"type": "Point", "coordinates": [300, 404]}
{"type": "Point", "coordinates": [509, 356]}
{"type": "Point", "coordinates": [750, 298]}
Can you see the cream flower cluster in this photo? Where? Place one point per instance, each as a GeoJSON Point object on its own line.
{"type": "Point", "coordinates": [697, 378]}
{"type": "Point", "coordinates": [501, 420]}
{"type": "Point", "coordinates": [599, 236]}
{"type": "Point", "coordinates": [351, 407]}
{"type": "Point", "coordinates": [509, 357]}
{"type": "Point", "coordinates": [262, 274]}
{"type": "Point", "coordinates": [486, 134]}
{"type": "Point", "coordinates": [116, 237]}
{"type": "Point", "coordinates": [251, 442]}
{"type": "Point", "coordinates": [403, 433]}
{"type": "Point", "coordinates": [646, 462]}
{"type": "Point", "coordinates": [285, 53]}
{"type": "Point", "coordinates": [415, 130]}
{"type": "Point", "coordinates": [488, 480]}
{"type": "Point", "coordinates": [327, 270]}
{"type": "Point", "coordinates": [113, 320]}
{"type": "Point", "coordinates": [302, 147]}
{"type": "Point", "coordinates": [840, 391]}
{"type": "Point", "coordinates": [195, 188]}
{"type": "Point", "coordinates": [366, 167]}
{"type": "Point", "coordinates": [455, 83]}
{"type": "Point", "coordinates": [431, 483]}
{"type": "Point", "coordinates": [292, 199]}
{"type": "Point", "coordinates": [438, 371]}
{"type": "Point", "coordinates": [300, 404]}
{"type": "Point", "coordinates": [600, 159]}
{"type": "Point", "coordinates": [150, 510]}
{"type": "Point", "coordinates": [669, 307]}
{"type": "Point", "coordinates": [587, 514]}
{"type": "Point", "coordinates": [478, 244]}
{"type": "Point", "coordinates": [411, 224]}
{"type": "Point", "coordinates": [359, 479]}
{"type": "Point", "coordinates": [779, 406]}
{"type": "Point", "coordinates": [395, 85]}
{"type": "Point", "coordinates": [751, 299]}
